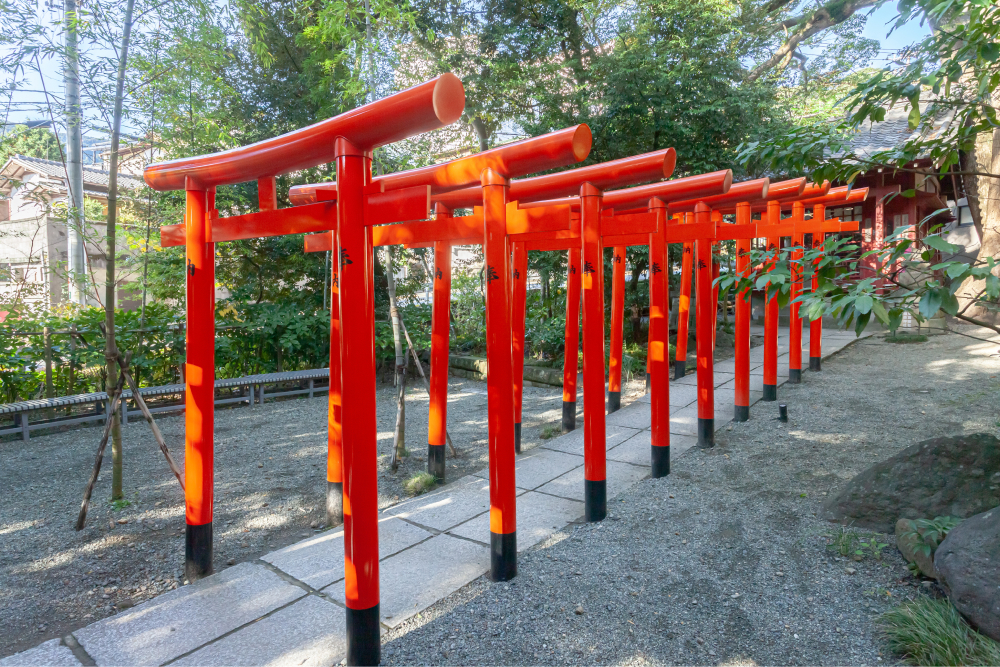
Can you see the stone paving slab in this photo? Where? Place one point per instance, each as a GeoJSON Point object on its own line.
{"type": "Point", "coordinates": [416, 578]}
{"type": "Point", "coordinates": [620, 477]}
{"type": "Point", "coordinates": [691, 379]}
{"type": "Point", "coordinates": [636, 450]}
{"type": "Point", "coordinates": [184, 619]}
{"type": "Point", "coordinates": [538, 466]}
{"type": "Point", "coordinates": [310, 632]}
{"type": "Point", "coordinates": [449, 506]}
{"type": "Point", "coordinates": [47, 654]}
{"type": "Point", "coordinates": [319, 561]}
{"type": "Point", "coordinates": [635, 416]}
{"type": "Point", "coordinates": [538, 516]}
{"type": "Point", "coordinates": [572, 442]}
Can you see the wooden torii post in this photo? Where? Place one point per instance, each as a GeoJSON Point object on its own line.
{"type": "Point", "coordinates": [348, 139]}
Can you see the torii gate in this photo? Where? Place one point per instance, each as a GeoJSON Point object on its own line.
{"type": "Point", "coordinates": [348, 139]}
{"type": "Point", "coordinates": [535, 154]}
{"type": "Point", "coordinates": [796, 227]}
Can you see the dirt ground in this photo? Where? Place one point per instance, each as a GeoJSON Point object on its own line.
{"type": "Point", "coordinates": [270, 486]}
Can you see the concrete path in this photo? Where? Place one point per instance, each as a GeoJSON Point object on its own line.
{"type": "Point", "coordinates": [287, 607]}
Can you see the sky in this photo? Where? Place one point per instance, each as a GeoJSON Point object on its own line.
{"type": "Point", "coordinates": [25, 104]}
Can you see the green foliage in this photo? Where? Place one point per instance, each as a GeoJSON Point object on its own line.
{"type": "Point", "coordinates": [550, 431]}
{"type": "Point", "coordinates": [31, 142]}
{"type": "Point", "coordinates": [932, 632]}
{"type": "Point", "coordinates": [844, 541]}
{"type": "Point", "coordinates": [873, 546]}
{"type": "Point", "coordinates": [421, 482]}
{"type": "Point", "coordinates": [120, 504]}
{"type": "Point", "coordinates": [902, 337]}
{"type": "Point", "coordinates": [927, 534]}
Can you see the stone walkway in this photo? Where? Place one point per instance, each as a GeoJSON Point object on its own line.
{"type": "Point", "coordinates": [287, 607]}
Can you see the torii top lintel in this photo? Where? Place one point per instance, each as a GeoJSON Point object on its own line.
{"type": "Point", "coordinates": [548, 151]}
{"type": "Point", "coordinates": [424, 107]}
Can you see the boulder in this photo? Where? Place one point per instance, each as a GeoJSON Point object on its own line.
{"type": "Point", "coordinates": [908, 543]}
{"type": "Point", "coordinates": [968, 562]}
{"type": "Point", "coordinates": [957, 476]}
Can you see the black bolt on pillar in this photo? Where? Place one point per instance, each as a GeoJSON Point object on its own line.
{"type": "Point", "coordinates": [815, 363]}
{"type": "Point", "coordinates": [770, 392]}
{"type": "Point", "coordinates": [782, 412]}
{"type": "Point", "coordinates": [614, 401]}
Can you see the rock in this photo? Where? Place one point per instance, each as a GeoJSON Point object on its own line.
{"type": "Point", "coordinates": [579, 610]}
{"type": "Point", "coordinates": [850, 570]}
{"type": "Point", "coordinates": [908, 542]}
{"type": "Point", "coordinates": [968, 565]}
{"type": "Point", "coordinates": [957, 476]}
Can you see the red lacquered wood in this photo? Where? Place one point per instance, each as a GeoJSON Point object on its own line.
{"type": "Point", "coordinates": [794, 321]}
{"type": "Point", "coordinates": [657, 358]}
{"type": "Point", "coordinates": [335, 412]}
{"type": "Point", "coordinates": [199, 376]}
{"type": "Point", "coordinates": [771, 306]}
{"type": "Point", "coordinates": [684, 296]}
{"type": "Point", "coordinates": [592, 285]}
{"type": "Point", "coordinates": [705, 329]}
{"type": "Point", "coordinates": [781, 190]}
{"type": "Point", "coordinates": [617, 319]}
{"type": "Point", "coordinates": [361, 581]}
{"type": "Point", "coordinates": [715, 297]}
{"type": "Point", "coordinates": [498, 355]}
{"type": "Point", "coordinates": [742, 343]}
{"type": "Point", "coordinates": [745, 191]}
{"type": "Point", "coordinates": [519, 295]}
{"type": "Point", "coordinates": [816, 326]}
{"type": "Point", "coordinates": [437, 420]}
{"type": "Point", "coordinates": [422, 108]}
{"type": "Point", "coordinates": [571, 346]}
{"type": "Point", "coordinates": [299, 220]}
{"type": "Point", "coordinates": [321, 242]}
{"type": "Point", "coordinates": [690, 187]}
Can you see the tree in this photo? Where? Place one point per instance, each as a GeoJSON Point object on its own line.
{"type": "Point", "coordinates": [38, 142]}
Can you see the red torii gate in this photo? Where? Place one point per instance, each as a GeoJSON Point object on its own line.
{"type": "Point", "coordinates": [349, 139]}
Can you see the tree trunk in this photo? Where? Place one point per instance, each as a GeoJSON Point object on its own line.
{"type": "Point", "coordinates": [109, 284]}
{"type": "Point", "coordinates": [399, 438]}
{"type": "Point", "coordinates": [984, 201]}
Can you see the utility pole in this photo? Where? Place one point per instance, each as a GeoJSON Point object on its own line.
{"type": "Point", "coordinates": [77, 254]}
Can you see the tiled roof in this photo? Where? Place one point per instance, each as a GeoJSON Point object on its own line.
{"type": "Point", "coordinates": [895, 131]}
{"type": "Point", "coordinates": [91, 176]}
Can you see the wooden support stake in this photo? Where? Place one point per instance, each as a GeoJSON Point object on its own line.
{"type": "Point", "coordinates": [82, 518]}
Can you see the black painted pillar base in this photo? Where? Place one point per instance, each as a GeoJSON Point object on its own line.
{"type": "Point", "coordinates": [595, 497]}
{"type": "Point", "coordinates": [503, 556]}
{"type": "Point", "coordinates": [364, 641]}
{"type": "Point", "coordinates": [648, 380]}
{"type": "Point", "coordinates": [680, 368]}
{"type": "Point", "coordinates": [742, 413]}
{"type": "Point", "coordinates": [569, 416]}
{"type": "Point", "coordinates": [661, 462]}
{"type": "Point", "coordinates": [198, 552]}
{"type": "Point", "coordinates": [517, 437]}
{"type": "Point", "coordinates": [706, 432]}
{"type": "Point", "coordinates": [795, 375]}
{"type": "Point", "coordinates": [770, 392]}
{"type": "Point", "coordinates": [815, 363]}
{"type": "Point", "coordinates": [334, 503]}
{"type": "Point", "coordinates": [614, 401]}
{"type": "Point", "coordinates": [435, 461]}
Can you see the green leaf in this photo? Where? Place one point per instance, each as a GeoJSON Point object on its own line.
{"type": "Point", "coordinates": [990, 51]}
{"type": "Point", "coordinates": [863, 304]}
{"type": "Point", "coordinates": [957, 270]}
{"type": "Point", "coordinates": [949, 303]}
{"type": "Point", "coordinates": [909, 194]}
{"type": "Point", "coordinates": [913, 119]}
{"type": "Point", "coordinates": [939, 243]}
{"type": "Point", "coordinates": [862, 322]}
{"type": "Point", "coordinates": [880, 313]}
{"type": "Point", "coordinates": [895, 319]}
{"type": "Point", "coordinates": [930, 304]}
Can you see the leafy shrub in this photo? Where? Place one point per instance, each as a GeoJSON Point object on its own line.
{"type": "Point", "coordinates": [932, 632]}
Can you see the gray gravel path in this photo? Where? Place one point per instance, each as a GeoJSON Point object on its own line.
{"type": "Point", "coordinates": [724, 561]}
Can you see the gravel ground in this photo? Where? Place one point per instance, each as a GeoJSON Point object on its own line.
{"type": "Point", "coordinates": [725, 560]}
{"type": "Point", "coordinates": [270, 490]}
